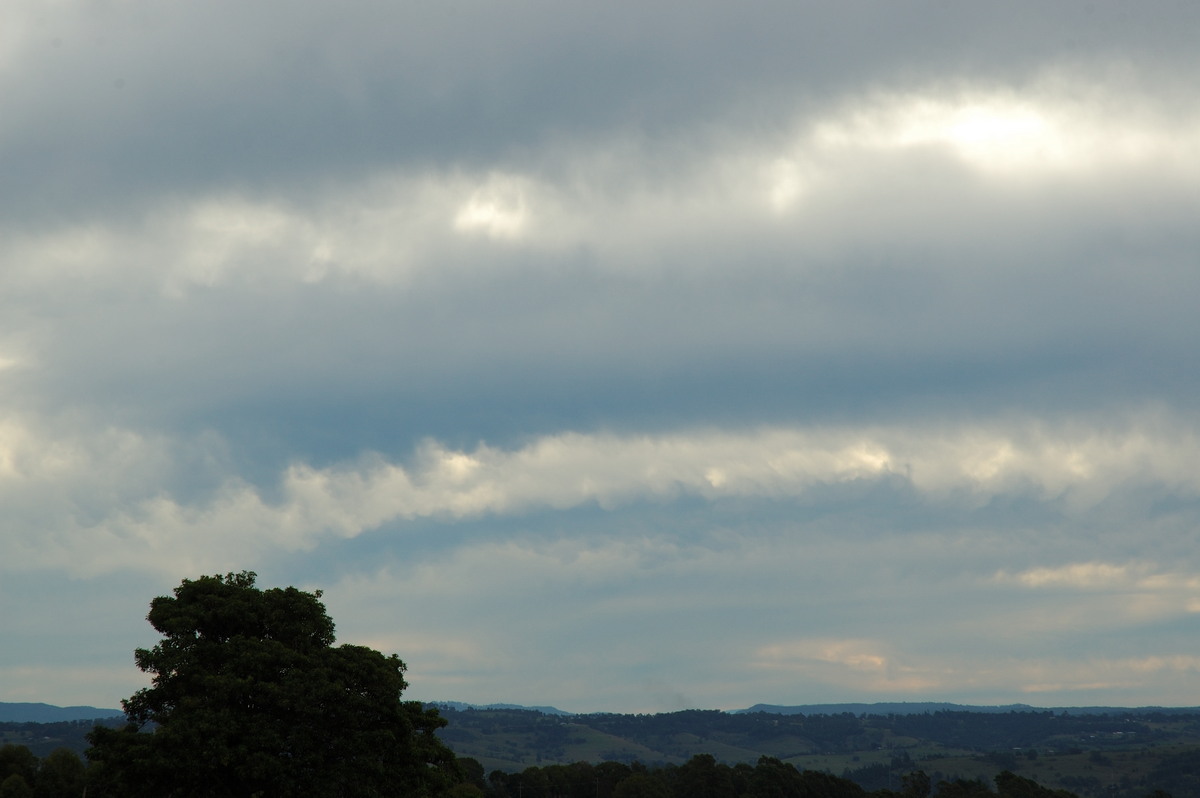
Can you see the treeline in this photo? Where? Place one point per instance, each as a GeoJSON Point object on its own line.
{"type": "Point", "coordinates": [61, 774]}
{"type": "Point", "coordinates": [703, 776]}
{"type": "Point", "coordinates": [1178, 774]}
{"type": "Point", "coordinates": [979, 731]}
{"type": "Point", "coordinates": [527, 736]}
{"type": "Point", "coordinates": [43, 738]}
{"type": "Point", "coordinates": [845, 732]}
{"type": "Point", "coordinates": [988, 732]}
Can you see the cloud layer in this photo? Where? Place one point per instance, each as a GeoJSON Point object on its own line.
{"type": "Point", "coordinates": [606, 358]}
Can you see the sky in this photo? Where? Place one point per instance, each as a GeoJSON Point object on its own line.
{"type": "Point", "coordinates": [624, 357]}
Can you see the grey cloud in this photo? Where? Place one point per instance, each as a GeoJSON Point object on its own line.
{"type": "Point", "coordinates": [1050, 313]}
{"type": "Point", "coordinates": [325, 291]}
{"type": "Point", "coordinates": [137, 100]}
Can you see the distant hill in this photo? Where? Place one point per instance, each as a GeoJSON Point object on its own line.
{"type": "Point", "coordinates": [459, 706]}
{"type": "Point", "coordinates": [1122, 753]}
{"type": "Point", "coordinates": [47, 713]}
{"type": "Point", "coordinates": [922, 707]}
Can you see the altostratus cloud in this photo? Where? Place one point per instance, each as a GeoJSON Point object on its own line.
{"type": "Point", "coordinates": [875, 666]}
{"type": "Point", "coordinates": [964, 466]}
{"type": "Point", "coordinates": [400, 223]}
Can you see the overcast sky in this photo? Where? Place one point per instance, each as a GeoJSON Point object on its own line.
{"type": "Point", "coordinates": [622, 357]}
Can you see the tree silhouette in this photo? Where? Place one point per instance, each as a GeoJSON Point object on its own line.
{"type": "Point", "coordinates": [249, 697]}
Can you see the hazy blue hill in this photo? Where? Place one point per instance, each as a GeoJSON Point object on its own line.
{"type": "Point", "coordinates": [922, 707]}
{"type": "Point", "coordinates": [460, 706]}
{"type": "Point", "coordinates": [47, 713]}
{"type": "Point", "coordinates": [896, 708]}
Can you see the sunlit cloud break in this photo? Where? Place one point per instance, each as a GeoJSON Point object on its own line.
{"type": "Point", "coordinates": [966, 466]}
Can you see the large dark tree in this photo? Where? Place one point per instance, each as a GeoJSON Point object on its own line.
{"type": "Point", "coordinates": [251, 698]}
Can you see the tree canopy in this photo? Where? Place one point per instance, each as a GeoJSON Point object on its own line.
{"type": "Point", "coordinates": [250, 697]}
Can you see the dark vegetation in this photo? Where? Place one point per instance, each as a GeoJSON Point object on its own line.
{"type": "Point", "coordinates": [528, 754]}
{"type": "Point", "coordinates": [61, 774]}
{"type": "Point", "coordinates": [250, 697]}
{"type": "Point", "coordinates": [42, 738]}
{"type": "Point", "coordinates": [1125, 755]}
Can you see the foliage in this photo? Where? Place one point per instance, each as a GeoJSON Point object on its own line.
{"type": "Point", "coordinates": [59, 775]}
{"type": "Point", "coordinates": [1010, 785]}
{"type": "Point", "coordinates": [249, 697]}
{"type": "Point", "coordinates": [1178, 774]}
{"type": "Point", "coordinates": [17, 760]}
{"type": "Point", "coordinates": [15, 787]}
{"type": "Point", "coordinates": [702, 776]}
{"type": "Point", "coordinates": [43, 738]}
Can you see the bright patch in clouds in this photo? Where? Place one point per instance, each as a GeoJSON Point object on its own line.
{"type": "Point", "coordinates": [993, 134]}
{"type": "Point", "coordinates": [859, 665]}
{"type": "Point", "coordinates": [1043, 135]}
{"type": "Point", "coordinates": [1077, 575]}
{"type": "Point", "coordinates": [857, 655]}
{"type": "Point", "coordinates": [1102, 576]}
{"type": "Point", "coordinates": [497, 209]}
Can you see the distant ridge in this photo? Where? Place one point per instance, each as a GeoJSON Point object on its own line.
{"type": "Point", "coordinates": [921, 707]}
{"type": "Point", "coordinates": [460, 706]}
{"type": "Point", "coordinates": [47, 713]}
{"type": "Point", "coordinates": [880, 708]}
